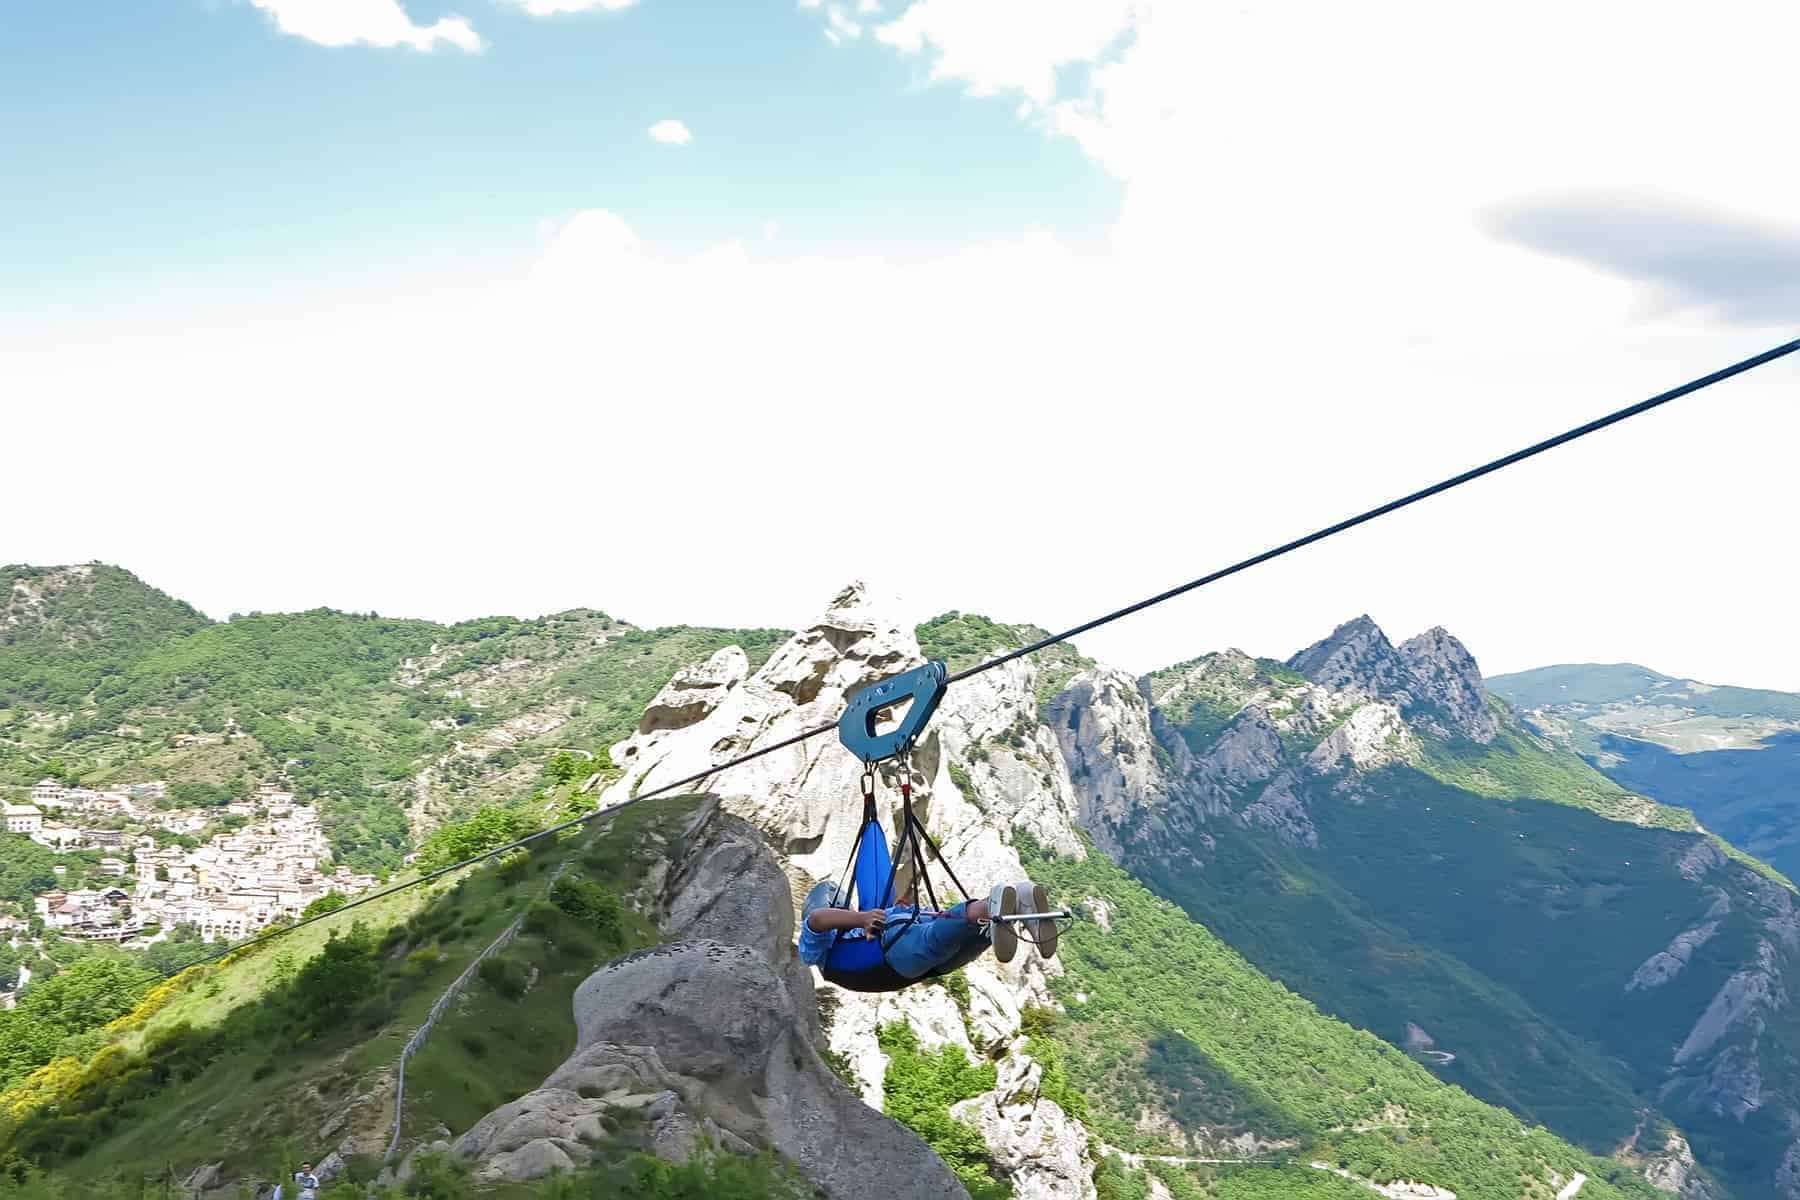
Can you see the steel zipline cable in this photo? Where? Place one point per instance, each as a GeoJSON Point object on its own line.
{"type": "Point", "coordinates": [1318, 535]}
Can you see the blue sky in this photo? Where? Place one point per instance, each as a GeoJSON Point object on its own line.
{"type": "Point", "coordinates": [177, 139]}
{"type": "Point", "coordinates": [1134, 287]}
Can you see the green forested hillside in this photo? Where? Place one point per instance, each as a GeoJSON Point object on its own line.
{"type": "Point", "coordinates": [64, 630]}
{"type": "Point", "coordinates": [1161, 1011]}
{"type": "Point", "coordinates": [108, 681]}
{"type": "Point", "coordinates": [1522, 924]}
{"type": "Point", "coordinates": [1504, 932]}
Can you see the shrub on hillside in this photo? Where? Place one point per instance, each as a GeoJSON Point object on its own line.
{"type": "Point", "coordinates": [336, 980]}
{"type": "Point", "coordinates": [329, 902]}
{"type": "Point", "coordinates": [489, 829]}
{"type": "Point", "coordinates": [918, 1090]}
{"type": "Point", "coordinates": [589, 902]}
{"type": "Point", "coordinates": [505, 974]}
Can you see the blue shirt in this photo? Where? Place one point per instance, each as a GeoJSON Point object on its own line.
{"type": "Point", "coordinates": [814, 946]}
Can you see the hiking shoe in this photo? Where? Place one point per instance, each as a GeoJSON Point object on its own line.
{"type": "Point", "coordinates": [1034, 899]}
{"type": "Point", "coordinates": [1003, 901]}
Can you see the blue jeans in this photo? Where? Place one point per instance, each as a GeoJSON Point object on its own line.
{"type": "Point", "coordinates": [934, 945]}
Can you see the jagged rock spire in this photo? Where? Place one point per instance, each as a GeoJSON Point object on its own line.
{"type": "Point", "coordinates": [1432, 678]}
{"type": "Point", "coordinates": [1357, 659]}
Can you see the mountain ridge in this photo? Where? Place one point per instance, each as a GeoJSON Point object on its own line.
{"type": "Point", "coordinates": [1223, 800]}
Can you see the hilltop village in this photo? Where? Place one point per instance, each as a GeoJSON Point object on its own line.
{"type": "Point", "coordinates": [266, 860]}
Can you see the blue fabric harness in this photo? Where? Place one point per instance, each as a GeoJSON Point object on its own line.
{"type": "Point", "coordinates": [857, 961]}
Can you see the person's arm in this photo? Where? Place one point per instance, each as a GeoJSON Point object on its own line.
{"type": "Point", "coordinates": [824, 920]}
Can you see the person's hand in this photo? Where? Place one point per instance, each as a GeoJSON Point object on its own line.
{"type": "Point", "coordinates": [872, 922]}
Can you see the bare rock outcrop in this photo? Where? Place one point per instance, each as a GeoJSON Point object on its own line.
{"type": "Point", "coordinates": [1103, 725]}
{"type": "Point", "coordinates": [804, 797]}
{"type": "Point", "coordinates": [1743, 1000]}
{"type": "Point", "coordinates": [695, 691]}
{"type": "Point", "coordinates": [1038, 1147]}
{"type": "Point", "coordinates": [1432, 679]}
{"type": "Point", "coordinates": [1448, 687]}
{"type": "Point", "coordinates": [1665, 965]}
{"type": "Point", "coordinates": [708, 1040]}
{"type": "Point", "coordinates": [1357, 659]}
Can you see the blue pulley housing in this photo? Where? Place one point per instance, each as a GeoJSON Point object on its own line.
{"type": "Point", "coordinates": [856, 728]}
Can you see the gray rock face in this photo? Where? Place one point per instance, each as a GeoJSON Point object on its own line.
{"type": "Point", "coordinates": [1041, 1151]}
{"type": "Point", "coordinates": [1742, 1001]}
{"type": "Point", "coordinates": [1665, 965]}
{"type": "Point", "coordinates": [805, 798]}
{"type": "Point", "coordinates": [1448, 681]}
{"type": "Point", "coordinates": [1357, 659]}
{"type": "Point", "coordinates": [726, 1027]}
{"type": "Point", "coordinates": [727, 887]}
{"type": "Point", "coordinates": [695, 691]}
{"type": "Point", "coordinates": [1432, 679]}
{"type": "Point", "coordinates": [1102, 723]}
{"type": "Point", "coordinates": [711, 1039]}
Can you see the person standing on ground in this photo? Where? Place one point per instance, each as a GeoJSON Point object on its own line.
{"type": "Point", "coordinates": [306, 1182]}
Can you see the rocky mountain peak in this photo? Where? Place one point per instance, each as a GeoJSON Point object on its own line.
{"type": "Point", "coordinates": [1432, 679]}
{"type": "Point", "coordinates": [1449, 680]}
{"type": "Point", "coordinates": [1357, 659]}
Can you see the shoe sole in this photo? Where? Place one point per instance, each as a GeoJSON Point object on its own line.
{"type": "Point", "coordinates": [1044, 931]}
{"type": "Point", "coordinates": [1006, 938]}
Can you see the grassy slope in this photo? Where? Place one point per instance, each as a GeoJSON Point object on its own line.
{"type": "Point", "coordinates": [1520, 766]}
{"type": "Point", "coordinates": [251, 1106]}
{"type": "Point", "coordinates": [494, 1047]}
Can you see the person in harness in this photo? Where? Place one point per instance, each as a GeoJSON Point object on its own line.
{"type": "Point", "coordinates": [902, 944]}
{"type": "Point", "coordinates": [867, 935]}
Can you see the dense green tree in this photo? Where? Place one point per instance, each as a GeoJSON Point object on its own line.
{"type": "Point", "coordinates": [490, 828]}
{"type": "Point", "coordinates": [329, 902]}
{"type": "Point", "coordinates": [92, 990]}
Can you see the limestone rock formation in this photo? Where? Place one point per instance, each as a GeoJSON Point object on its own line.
{"type": "Point", "coordinates": [1103, 724]}
{"type": "Point", "coordinates": [1373, 736]}
{"type": "Point", "coordinates": [1744, 999]}
{"type": "Point", "coordinates": [1449, 687]}
{"type": "Point", "coordinates": [1665, 965]}
{"type": "Point", "coordinates": [695, 691]}
{"type": "Point", "coordinates": [1357, 659]}
{"type": "Point", "coordinates": [710, 1039]}
{"type": "Point", "coordinates": [1432, 679]}
{"type": "Point", "coordinates": [804, 797]}
{"type": "Point", "coordinates": [1038, 1147]}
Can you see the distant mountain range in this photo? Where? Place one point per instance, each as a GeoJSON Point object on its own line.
{"type": "Point", "coordinates": [1729, 754]}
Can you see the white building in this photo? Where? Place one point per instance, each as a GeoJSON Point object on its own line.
{"type": "Point", "coordinates": [23, 818]}
{"type": "Point", "coordinates": [50, 792]}
{"type": "Point", "coordinates": [226, 924]}
{"type": "Point", "coordinates": [57, 837]}
{"type": "Point", "coordinates": [112, 866]}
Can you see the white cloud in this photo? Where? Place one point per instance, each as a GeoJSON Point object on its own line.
{"type": "Point", "coordinates": [550, 8]}
{"type": "Point", "coordinates": [1094, 429]}
{"type": "Point", "coordinates": [1301, 312]}
{"type": "Point", "coordinates": [367, 22]}
{"type": "Point", "coordinates": [671, 133]}
{"type": "Point", "coordinates": [770, 230]}
{"type": "Point", "coordinates": [1005, 45]}
{"type": "Point", "coordinates": [841, 22]}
